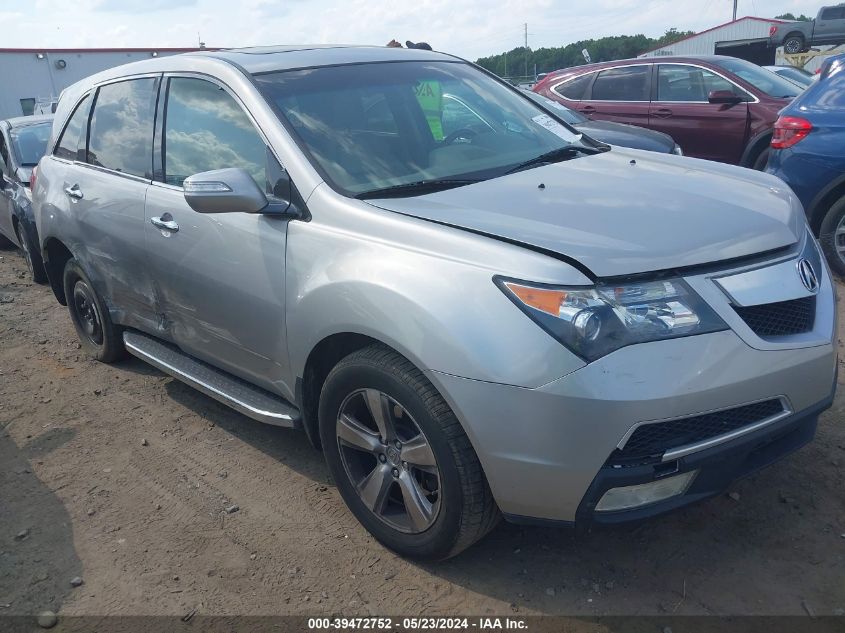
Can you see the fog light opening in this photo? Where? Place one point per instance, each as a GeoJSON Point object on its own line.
{"type": "Point", "coordinates": [628, 497]}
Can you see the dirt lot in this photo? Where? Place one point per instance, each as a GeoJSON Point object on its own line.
{"type": "Point", "coordinates": [120, 475]}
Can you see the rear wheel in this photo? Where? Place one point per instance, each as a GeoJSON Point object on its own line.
{"type": "Point", "coordinates": [33, 258]}
{"type": "Point", "coordinates": [401, 459]}
{"type": "Point", "coordinates": [794, 44]}
{"type": "Point", "coordinates": [98, 336]}
{"type": "Point", "coordinates": [832, 236]}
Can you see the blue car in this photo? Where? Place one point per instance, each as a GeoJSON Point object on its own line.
{"type": "Point", "coordinates": [808, 153]}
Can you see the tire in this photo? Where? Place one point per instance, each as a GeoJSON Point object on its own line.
{"type": "Point", "coordinates": [99, 337]}
{"type": "Point", "coordinates": [761, 160]}
{"type": "Point", "coordinates": [834, 219]}
{"type": "Point", "coordinates": [31, 255]}
{"type": "Point", "coordinates": [794, 44]}
{"type": "Point", "coordinates": [455, 508]}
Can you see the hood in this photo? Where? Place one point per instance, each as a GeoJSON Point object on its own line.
{"type": "Point", "coordinates": [627, 136]}
{"type": "Point", "coordinates": [618, 218]}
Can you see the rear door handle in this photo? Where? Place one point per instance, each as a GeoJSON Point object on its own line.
{"type": "Point", "coordinates": [588, 110]}
{"type": "Point", "coordinates": [663, 112]}
{"type": "Point", "coordinates": [164, 225]}
{"type": "Point", "coordinates": [74, 192]}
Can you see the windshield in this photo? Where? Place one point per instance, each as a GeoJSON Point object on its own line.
{"type": "Point", "coordinates": [801, 77]}
{"type": "Point", "coordinates": [30, 142]}
{"type": "Point", "coordinates": [570, 116]}
{"type": "Point", "coordinates": [765, 81]}
{"type": "Point", "coordinates": [368, 127]}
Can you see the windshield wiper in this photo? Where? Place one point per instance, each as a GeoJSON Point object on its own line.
{"type": "Point", "coordinates": [556, 155]}
{"type": "Point", "coordinates": [416, 188]}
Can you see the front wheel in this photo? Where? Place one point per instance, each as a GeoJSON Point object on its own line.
{"type": "Point", "coordinates": [832, 237]}
{"type": "Point", "coordinates": [401, 460]}
{"type": "Point", "coordinates": [98, 336]}
{"type": "Point", "coordinates": [794, 44]}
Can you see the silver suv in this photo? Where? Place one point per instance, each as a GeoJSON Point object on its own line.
{"type": "Point", "coordinates": [474, 315]}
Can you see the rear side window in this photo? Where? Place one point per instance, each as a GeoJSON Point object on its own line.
{"type": "Point", "coordinates": [629, 83]}
{"type": "Point", "coordinates": [121, 136]}
{"type": "Point", "coordinates": [74, 130]}
{"type": "Point", "coordinates": [575, 88]}
{"type": "Point", "coordinates": [833, 95]}
{"type": "Point", "coordinates": [205, 129]}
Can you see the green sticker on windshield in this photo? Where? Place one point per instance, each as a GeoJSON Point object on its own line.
{"type": "Point", "coordinates": [430, 96]}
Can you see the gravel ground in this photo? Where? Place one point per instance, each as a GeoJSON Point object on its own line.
{"type": "Point", "coordinates": [120, 477]}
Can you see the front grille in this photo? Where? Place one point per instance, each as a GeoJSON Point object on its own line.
{"type": "Point", "coordinates": [780, 319]}
{"type": "Point", "coordinates": [649, 441]}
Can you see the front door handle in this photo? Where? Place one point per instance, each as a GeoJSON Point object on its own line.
{"type": "Point", "coordinates": [164, 224]}
{"type": "Point", "coordinates": [74, 192]}
{"type": "Point", "coordinates": [663, 112]}
{"type": "Point", "coordinates": [588, 110]}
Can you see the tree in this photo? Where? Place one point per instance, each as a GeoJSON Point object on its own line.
{"type": "Point", "coordinates": [789, 16]}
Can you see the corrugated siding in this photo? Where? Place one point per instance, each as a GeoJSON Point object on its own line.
{"type": "Point", "coordinates": [705, 43]}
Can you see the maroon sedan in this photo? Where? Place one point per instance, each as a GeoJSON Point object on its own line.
{"type": "Point", "coordinates": [715, 107]}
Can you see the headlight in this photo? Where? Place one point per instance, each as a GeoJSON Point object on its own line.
{"type": "Point", "coordinates": [595, 321]}
{"type": "Point", "coordinates": [677, 150]}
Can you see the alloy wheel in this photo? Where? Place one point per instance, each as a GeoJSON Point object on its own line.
{"type": "Point", "coordinates": [389, 461]}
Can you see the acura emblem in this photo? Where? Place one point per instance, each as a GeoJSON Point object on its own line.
{"type": "Point", "coordinates": [808, 275]}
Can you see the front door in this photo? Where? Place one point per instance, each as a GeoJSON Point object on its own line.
{"type": "Point", "coordinates": [620, 94]}
{"type": "Point", "coordinates": [219, 279]}
{"type": "Point", "coordinates": [715, 131]}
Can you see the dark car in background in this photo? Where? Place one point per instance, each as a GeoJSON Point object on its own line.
{"type": "Point", "coordinates": [796, 75]}
{"type": "Point", "coordinates": [23, 141]}
{"type": "Point", "coordinates": [715, 107]}
{"type": "Point", "coordinates": [808, 153]}
{"type": "Point", "coordinates": [609, 132]}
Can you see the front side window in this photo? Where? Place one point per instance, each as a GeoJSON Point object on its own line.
{"type": "Point", "coordinates": [676, 83]}
{"type": "Point", "coordinates": [121, 137]}
{"type": "Point", "coordinates": [328, 111]}
{"type": "Point", "coordinates": [762, 79]}
{"type": "Point", "coordinates": [74, 132]}
{"type": "Point", "coordinates": [205, 129]}
{"type": "Point", "coordinates": [29, 142]}
{"type": "Point", "coordinates": [629, 83]}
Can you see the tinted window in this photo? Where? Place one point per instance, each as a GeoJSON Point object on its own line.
{"type": "Point", "coordinates": [833, 13]}
{"type": "Point", "coordinates": [205, 129]}
{"type": "Point", "coordinates": [760, 78]}
{"type": "Point", "coordinates": [832, 93]}
{"type": "Point", "coordinates": [689, 83]}
{"type": "Point", "coordinates": [121, 135]}
{"type": "Point", "coordinates": [27, 106]}
{"type": "Point", "coordinates": [622, 84]}
{"type": "Point", "coordinates": [29, 142]}
{"type": "Point", "coordinates": [575, 88]}
{"type": "Point", "coordinates": [74, 130]}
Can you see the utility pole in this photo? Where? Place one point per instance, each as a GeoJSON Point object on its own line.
{"type": "Point", "coordinates": [526, 50]}
{"type": "Point", "coordinates": [735, 3]}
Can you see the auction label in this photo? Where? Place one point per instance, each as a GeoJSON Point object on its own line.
{"type": "Point", "coordinates": [417, 624]}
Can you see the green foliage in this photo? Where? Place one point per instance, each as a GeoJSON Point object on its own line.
{"type": "Point", "coordinates": [789, 16]}
{"type": "Point", "coordinates": [601, 50]}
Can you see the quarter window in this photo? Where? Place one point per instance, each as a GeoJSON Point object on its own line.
{"type": "Point", "coordinates": [689, 83]}
{"type": "Point", "coordinates": [205, 129]}
{"type": "Point", "coordinates": [629, 83]}
{"type": "Point", "coordinates": [121, 136]}
{"type": "Point", "coordinates": [574, 89]}
{"type": "Point", "coordinates": [74, 130]}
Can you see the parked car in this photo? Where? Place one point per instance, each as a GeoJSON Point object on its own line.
{"type": "Point", "coordinates": [798, 37]}
{"type": "Point", "coordinates": [808, 153]}
{"type": "Point", "coordinates": [517, 320]}
{"type": "Point", "coordinates": [23, 141]}
{"type": "Point", "coordinates": [610, 132]}
{"type": "Point", "coordinates": [796, 75]}
{"type": "Point", "coordinates": [715, 107]}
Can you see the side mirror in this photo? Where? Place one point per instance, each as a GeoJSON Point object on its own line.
{"type": "Point", "coordinates": [230, 190]}
{"type": "Point", "coordinates": [723, 96]}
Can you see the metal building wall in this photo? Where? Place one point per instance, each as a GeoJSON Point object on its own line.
{"type": "Point", "coordinates": [24, 76]}
{"type": "Point", "coordinates": [704, 43]}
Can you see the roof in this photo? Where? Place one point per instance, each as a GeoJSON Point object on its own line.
{"type": "Point", "coordinates": [35, 51]}
{"type": "Point", "coordinates": [20, 121]}
{"type": "Point", "coordinates": [275, 58]}
{"type": "Point", "coordinates": [663, 59]}
{"type": "Point", "coordinates": [714, 28]}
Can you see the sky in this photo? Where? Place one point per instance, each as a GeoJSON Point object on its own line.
{"type": "Point", "coordinates": [468, 28]}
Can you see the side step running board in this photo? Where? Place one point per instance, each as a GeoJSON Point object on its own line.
{"type": "Point", "coordinates": [242, 396]}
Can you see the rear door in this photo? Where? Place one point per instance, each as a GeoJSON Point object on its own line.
{"type": "Point", "coordinates": [619, 94]}
{"type": "Point", "coordinates": [105, 187]}
{"type": "Point", "coordinates": [219, 278]}
{"type": "Point", "coordinates": [681, 109]}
